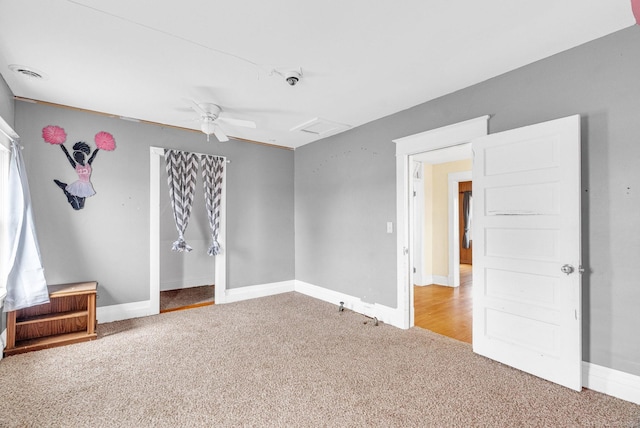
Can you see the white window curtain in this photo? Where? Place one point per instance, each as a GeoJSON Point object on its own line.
{"type": "Point", "coordinates": [182, 171]}
{"type": "Point", "coordinates": [26, 284]}
{"type": "Point", "coordinates": [5, 156]}
{"type": "Point", "coordinates": [212, 173]}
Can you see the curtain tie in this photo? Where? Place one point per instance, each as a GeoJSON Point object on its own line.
{"type": "Point", "coordinates": [181, 245]}
{"type": "Point", "coordinates": [214, 249]}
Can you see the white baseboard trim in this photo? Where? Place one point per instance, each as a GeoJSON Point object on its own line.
{"type": "Point", "coordinates": [143, 308]}
{"type": "Point", "coordinates": [123, 311]}
{"type": "Point", "coordinates": [381, 312]}
{"type": "Point", "coordinates": [255, 291]}
{"type": "Point", "coordinates": [426, 280]}
{"type": "Point", "coordinates": [435, 280]}
{"type": "Point", "coordinates": [441, 280]}
{"type": "Point", "coordinates": [611, 382]}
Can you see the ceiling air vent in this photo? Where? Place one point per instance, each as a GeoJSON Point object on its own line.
{"type": "Point", "coordinates": [26, 71]}
{"type": "Point", "coordinates": [320, 127]}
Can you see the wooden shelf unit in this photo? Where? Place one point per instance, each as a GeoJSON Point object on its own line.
{"type": "Point", "coordinates": [69, 317]}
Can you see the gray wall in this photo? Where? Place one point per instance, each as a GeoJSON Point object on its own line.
{"type": "Point", "coordinates": [345, 184]}
{"type": "Point", "coordinates": [108, 240]}
{"type": "Point", "coordinates": [345, 195]}
{"type": "Point", "coordinates": [7, 109]}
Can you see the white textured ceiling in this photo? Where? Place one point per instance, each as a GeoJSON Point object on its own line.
{"type": "Point", "coordinates": [361, 59]}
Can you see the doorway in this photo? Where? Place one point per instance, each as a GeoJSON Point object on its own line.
{"type": "Point", "coordinates": [406, 148]}
{"type": "Point", "coordinates": [442, 257]}
{"type": "Point", "coordinates": [156, 167]}
{"type": "Point", "coordinates": [465, 217]}
{"type": "Point", "coordinates": [186, 278]}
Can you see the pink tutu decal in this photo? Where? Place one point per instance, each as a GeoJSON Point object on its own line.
{"type": "Point", "coordinates": [81, 159]}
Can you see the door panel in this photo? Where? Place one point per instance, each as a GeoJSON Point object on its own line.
{"type": "Point", "coordinates": [540, 199]}
{"type": "Point", "coordinates": [526, 227]}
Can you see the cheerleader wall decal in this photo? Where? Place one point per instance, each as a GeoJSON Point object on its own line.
{"type": "Point", "coordinates": [82, 188]}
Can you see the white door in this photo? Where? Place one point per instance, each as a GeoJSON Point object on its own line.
{"type": "Point", "coordinates": [526, 235]}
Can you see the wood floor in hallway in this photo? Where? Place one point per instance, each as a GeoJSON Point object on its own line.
{"type": "Point", "coordinates": [446, 310]}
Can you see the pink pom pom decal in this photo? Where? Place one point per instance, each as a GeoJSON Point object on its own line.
{"type": "Point", "coordinates": [105, 141]}
{"type": "Point", "coordinates": [54, 134]}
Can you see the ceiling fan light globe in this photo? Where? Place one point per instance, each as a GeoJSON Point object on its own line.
{"type": "Point", "coordinates": [208, 127]}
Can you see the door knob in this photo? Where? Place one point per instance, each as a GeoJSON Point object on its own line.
{"type": "Point", "coordinates": [568, 269]}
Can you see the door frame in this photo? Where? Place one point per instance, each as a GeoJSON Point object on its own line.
{"type": "Point", "coordinates": [419, 274]}
{"type": "Point", "coordinates": [220, 275]}
{"type": "Point", "coordinates": [439, 138]}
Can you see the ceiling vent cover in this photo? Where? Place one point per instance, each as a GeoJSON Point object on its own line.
{"type": "Point", "coordinates": [321, 127]}
{"type": "Point", "coordinates": [26, 71]}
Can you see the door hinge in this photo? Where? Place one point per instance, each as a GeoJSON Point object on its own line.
{"type": "Point", "coordinates": [414, 270]}
{"type": "Point", "coordinates": [414, 193]}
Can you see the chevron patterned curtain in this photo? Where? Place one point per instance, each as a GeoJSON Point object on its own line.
{"type": "Point", "coordinates": [182, 171]}
{"type": "Point", "coordinates": [212, 169]}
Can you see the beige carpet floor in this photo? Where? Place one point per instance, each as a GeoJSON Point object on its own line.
{"type": "Point", "coordinates": [283, 361]}
{"type": "Point", "coordinates": [174, 299]}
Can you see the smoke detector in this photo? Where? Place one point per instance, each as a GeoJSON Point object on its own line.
{"type": "Point", "coordinates": [291, 76]}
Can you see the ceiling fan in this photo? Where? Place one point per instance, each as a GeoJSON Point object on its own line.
{"type": "Point", "coordinates": [210, 120]}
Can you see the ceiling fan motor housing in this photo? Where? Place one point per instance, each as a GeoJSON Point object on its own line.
{"type": "Point", "coordinates": [211, 111]}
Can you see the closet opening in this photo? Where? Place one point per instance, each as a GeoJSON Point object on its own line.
{"type": "Point", "coordinates": [184, 280]}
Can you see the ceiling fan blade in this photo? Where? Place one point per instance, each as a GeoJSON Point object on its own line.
{"type": "Point", "coordinates": [198, 109]}
{"type": "Point", "coordinates": [238, 122]}
{"type": "Point", "coordinates": [221, 136]}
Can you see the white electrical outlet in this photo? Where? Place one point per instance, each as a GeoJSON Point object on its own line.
{"type": "Point", "coordinates": [389, 227]}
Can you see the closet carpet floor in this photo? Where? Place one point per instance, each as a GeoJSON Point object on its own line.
{"type": "Point", "coordinates": [186, 298]}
